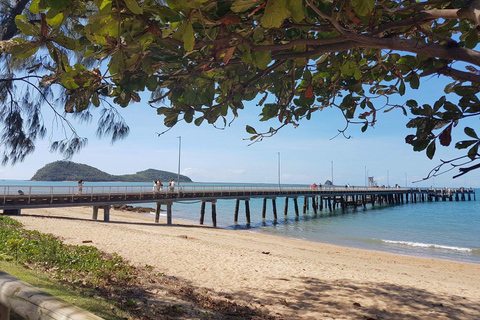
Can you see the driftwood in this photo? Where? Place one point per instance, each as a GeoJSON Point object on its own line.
{"type": "Point", "coordinates": [31, 303]}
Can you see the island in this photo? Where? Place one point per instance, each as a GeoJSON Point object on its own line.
{"type": "Point", "coordinates": [71, 171]}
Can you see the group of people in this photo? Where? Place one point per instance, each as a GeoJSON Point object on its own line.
{"type": "Point", "coordinates": [158, 185]}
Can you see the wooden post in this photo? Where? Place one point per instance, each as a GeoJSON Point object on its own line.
{"type": "Point", "coordinates": [95, 213]}
{"type": "Point", "coordinates": [169, 213]}
{"type": "Point", "coordinates": [237, 206]}
{"type": "Point", "coordinates": [264, 209]}
{"type": "Point", "coordinates": [286, 206]}
{"type": "Point", "coordinates": [214, 213]}
{"type": "Point", "coordinates": [157, 212]}
{"type": "Point", "coordinates": [274, 204]}
{"type": "Point", "coordinates": [202, 212]}
{"type": "Point", "coordinates": [247, 211]}
{"type": "Point", "coordinates": [314, 205]}
{"type": "Point", "coordinates": [305, 205]}
{"type": "Point", "coordinates": [106, 213]}
{"type": "Point", "coordinates": [329, 200]}
{"type": "Point", "coordinates": [320, 203]}
{"type": "Point", "coordinates": [295, 202]}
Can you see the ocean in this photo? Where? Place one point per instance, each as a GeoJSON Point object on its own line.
{"type": "Point", "coordinates": [438, 230]}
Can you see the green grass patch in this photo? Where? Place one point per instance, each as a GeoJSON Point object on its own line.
{"type": "Point", "coordinates": [80, 275]}
{"type": "Point", "coordinates": [84, 298]}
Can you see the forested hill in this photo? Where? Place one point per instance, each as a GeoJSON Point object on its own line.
{"type": "Point", "coordinates": [71, 171]}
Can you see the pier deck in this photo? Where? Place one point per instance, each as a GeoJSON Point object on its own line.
{"type": "Point", "coordinates": [15, 198]}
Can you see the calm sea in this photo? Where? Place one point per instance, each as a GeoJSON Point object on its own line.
{"type": "Point", "coordinates": [441, 230]}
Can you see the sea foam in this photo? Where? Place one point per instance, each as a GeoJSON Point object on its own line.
{"type": "Point", "coordinates": [427, 245]}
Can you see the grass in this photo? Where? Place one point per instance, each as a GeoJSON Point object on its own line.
{"type": "Point", "coordinates": [81, 297]}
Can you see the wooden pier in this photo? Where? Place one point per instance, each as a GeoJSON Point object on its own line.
{"type": "Point", "coordinates": [15, 198]}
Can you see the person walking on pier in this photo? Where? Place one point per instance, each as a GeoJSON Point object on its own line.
{"type": "Point", "coordinates": [159, 185]}
{"type": "Point", "coordinates": [171, 183]}
{"type": "Point", "coordinates": [80, 186]}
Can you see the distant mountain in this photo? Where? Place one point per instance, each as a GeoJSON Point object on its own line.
{"type": "Point", "coordinates": [71, 171]}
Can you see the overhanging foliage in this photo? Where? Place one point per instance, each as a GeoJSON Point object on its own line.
{"type": "Point", "coordinates": [205, 59]}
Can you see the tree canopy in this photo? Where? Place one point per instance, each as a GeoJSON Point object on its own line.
{"type": "Point", "coordinates": [202, 60]}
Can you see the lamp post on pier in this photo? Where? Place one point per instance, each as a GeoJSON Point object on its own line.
{"type": "Point", "coordinates": [179, 153]}
{"type": "Point", "coordinates": [332, 174]}
{"type": "Point", "coordinates": [365, 176]}
{"type": "Point", "coordinates": [278, 153]}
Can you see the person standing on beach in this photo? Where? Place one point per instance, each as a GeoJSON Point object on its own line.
{"type": "Point", "coordinates": [80, 186]}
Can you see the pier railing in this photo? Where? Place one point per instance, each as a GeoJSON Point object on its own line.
{"type": "Point", "coordinates": [52, 191]}
{"type": "Point", "coordinates": [143, 189]}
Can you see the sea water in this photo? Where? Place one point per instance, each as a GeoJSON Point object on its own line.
{"type": "Point", "coordinates": [438, 229]}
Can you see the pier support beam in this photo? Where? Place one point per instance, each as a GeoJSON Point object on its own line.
{"type": "Point", "coordinates": [214, 212]}
{"type": "Point", "coordinates": [237, 207]}
{"type": "Point", "coordinates": [202, 213]}
{"type": "Point", "coordinates": [157, 211]}
{"type": "Point", "coordinates": [295, 203]}
{"type": "Point", "coordinates": [274, 205]}
{"type": "Point", "coordinates": [169, 213]}
{"type": "Point", "coordinates": [286, 207]}
{"type": "Point", "coordinates": [106, 213]}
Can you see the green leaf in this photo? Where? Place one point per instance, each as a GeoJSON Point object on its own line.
{"type": "Point", "coordinates": [244, 5]}
{"type": "Point", "coordinates": [56, 21]}
{"type": "Point", "coordinates": [262, 59]}
{"type": "Point", "coordinates": [470, 132]}
{"type": "Point", "coordinates": [412, 104]}
{"type": "Point", "coordinates": [275, 12]}
{"type": "Point", "coordinates": [365, 126]}
{"type": "Point", "coordinates": [250, 130]}
{"type": "Point", "coordinates": [464, 144]}
{"type": "Point", "coordinates": [26, 27]}
{"type": "Point", "coordinates": [23, 50]}
{"type": "Point", "coordinates": [401, 88]}
{"type": "Point", "coordinates": [471, 40]}
{"type": "Point", "coordinates": [414, 81]}
{"type": "Point", "coordinates": [95, 99]}
{"type": "Point", "coordinates": [65, 42]}
{"type": "Point", "coordinates": [431, 150]}
{"type": "Point", "coordinates": [473, 152]}
{"type": "Point", "coordinates": [466, 90]}
{"type": "Point", "coordinates": [297, 10]}
{"type": "Point", "coordinates": [34, 7]}
{"type": "Point", "coordinates": [133, 6]}
{"type": "Point", "coordinates": [188, 37]}
{"type": "Point", "coordinates": [362, 7]}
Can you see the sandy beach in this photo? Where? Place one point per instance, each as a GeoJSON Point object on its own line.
{"type": "Point", "coordinates": [291, 279]}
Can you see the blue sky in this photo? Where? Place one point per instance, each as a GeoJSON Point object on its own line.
{"type": "Point", "coordinates": [306, 152]}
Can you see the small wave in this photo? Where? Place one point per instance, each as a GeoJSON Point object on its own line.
{"type": "Point", "coordinates": [429, 246]}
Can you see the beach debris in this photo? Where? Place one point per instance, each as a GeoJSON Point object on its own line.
{"type": "Point", "coordinates": [283, 301]}
{"type": "Point", "coordinates": [87, 241]}
{"type": "Point", "coordinates": [356, 304]}
{"type": "Point", "coordinates": [266, 252]}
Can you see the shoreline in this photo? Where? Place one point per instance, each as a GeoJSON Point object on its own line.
{"type": "Point", "coordinates": [291, 278]}
{"type": "Point", "coordinates": [258, 230]}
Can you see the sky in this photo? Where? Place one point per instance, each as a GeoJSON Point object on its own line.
{"type": "Point", "coordinates": [307, 153]}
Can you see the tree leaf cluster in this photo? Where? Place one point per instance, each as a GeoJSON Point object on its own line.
{"type": "Point", "coordinates": [203, 60]}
